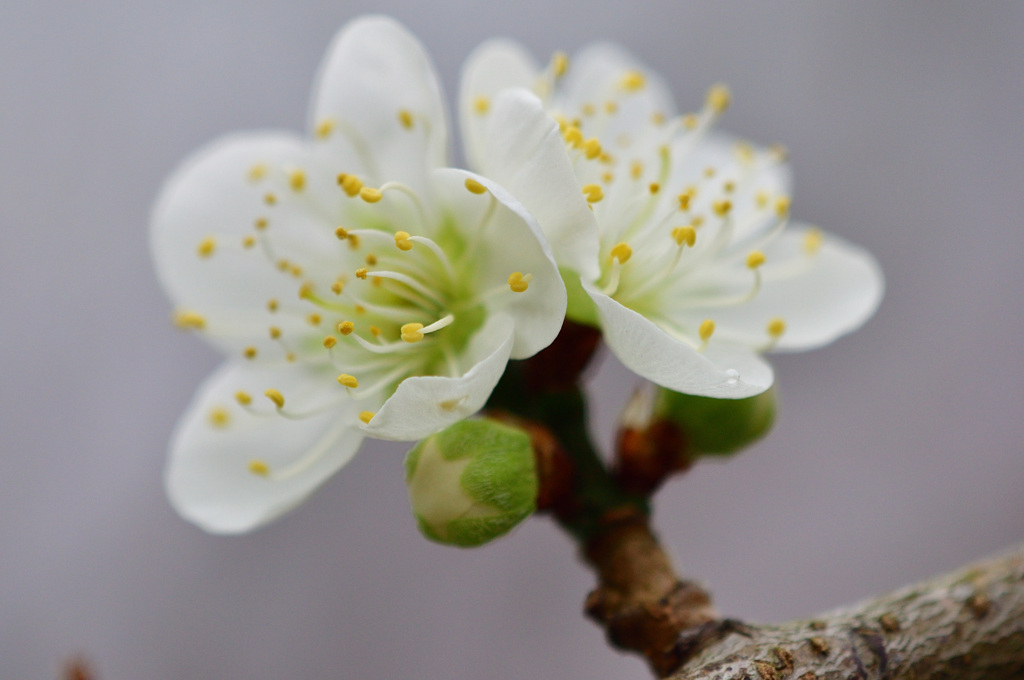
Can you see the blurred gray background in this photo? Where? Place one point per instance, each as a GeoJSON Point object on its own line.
{"type": "Point", "coordinates": [898, 453]}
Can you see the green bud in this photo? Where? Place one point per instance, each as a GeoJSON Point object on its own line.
{"type": "Point", "coordinates": [471, 482]}
{"type": "Point", "coordinates": [718, 426]}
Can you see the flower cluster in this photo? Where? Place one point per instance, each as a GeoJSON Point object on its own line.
{"type": "Point", "coordinates": [361, 287]}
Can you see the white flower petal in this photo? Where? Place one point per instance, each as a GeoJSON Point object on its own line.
{"type": "Point", "coordinates": [379, 91]}
{"type": "Point", "coordinates": [423, 405]}
{"type": "Point", "coordinates": [510, 242]}
{"type": "Point", "coordinates": [208, 478]}
{"type": "Point", "coordinates": [726, 372]}
{"type": "Point", "coordinates": [819, 297]}
{"type": "Point", "coordinates": [524, 152]}
{"type": "Point", "coordinates": [493, 66]}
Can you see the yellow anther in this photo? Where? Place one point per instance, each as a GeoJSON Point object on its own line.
{"type": "Point", "coordinates": [690, 121]}
{"type": "Point", "coordinates": [592, 148]}
{"type": "Point", "coordinates": [722, 207]}
{"type": "Point", "coordinates": [710, 171]}
{"type": "Point", "coordinates": [706, 330]}
{"type": "Point", "coordinates": [346, 327]}
{"type": "Point", "coordinates": [366, 416]}
{"type": "Point", "coordinates": [573, 136]}
{"type": "Point", "coordinates": [248, 241]}
{"type": "Point", "coordinates": [593, 192]}
{"type": "Point", "coordinates": [654, 187]}
{"type": "Point", "coordinates": [411, 332]}
{"type": "Point", "coordinates": [297, 179]}
{"type": "Point", "coordinates": [270, 198]}
{"type": "Point", "coordinates": [353, 241]}
{"type": "Point", "coordinates": [588, 110]}
{"type": "Point", "coordinates": [257, 172]}
{"type": "Point", "coordinates": [636, 169]}
{"type": "Point", "coordinates": [607, 178]}
{"type": "Point", "coordinates": [261, 223]}
{"type": "Point", "coordinates": [812, 240]}
{"type": "Point", "coordinates": [371, 259]}
{"type": "Point", "coordinates": [782, 206]}
{"type": "Point", "coordinates": [375, 331]}
{"type": "Point", "coordinates": [729, 186]}
{"type": "Point", "coordinates": [475, 187]}
{"type": "Point", "coordinates": [206, 247]}
{"type": "Point", "coordinates": [745, 152]}
{"type": "Point", "coordinates": [341, 233]}
{"type": "Point", "coordinates": [283, 265]}
{"type": "Point", "coordinates": [755, 259]}
{"type": "Point", "coordinates": [776, 327]}
{"type": "Point", "coordinates": [275, 332]}
{"type": "Point", "coordinates": [405, 118]}
{"type": "Point", "coordinates": [761, 199]}
{"type": "Point", "coordinates": [219, 416]}
{"type": "Point", "coordinates": [193, 320]}
{"type": "Point", "coordinates": [272, 305]}
{"type": "Point", "coordinates": [606, 157]}
{"type": "Point", "coordinates": [658, 118]}
{"type": "Point", "coordinates": [337, 287]}
{"type": "Point", "coordinates": [517, 282]}
{"type": "Point", "coordinates": [313, 319]}
{"type": "Point", "coordinates": [697, 221]}
{"type": "Point", "coordinates": [370, 195]}
{"type": "Point", "coordinates": [243, 398]}
{"type": "Point", "coordinates": [633, 81]}
{"type": "Point", "coordinates": [779, 153]}
{"type": "Point", "coordinates": [402, 241]}
{"type": "Point", "coordinates": [249, 352]}
{"type": "Point", "coordinates": [360, 309]}
{"type": "Point", "coordinates": [611, 107]}
{"type": "Point", "coordinates": [621, 252]}
{"type": "Point", "coordinates": [350, 183]}
{"type": "Point", "coordinates": [290, 357]}
{"type": "Point", "coordinates": [718, 98]}
{"type": "Point", "coordinates": [559, 64]}
{"type": "Point", "coordinates": [258, 467]}
{"type": "Point", "coordinates": [276, 397]}
{"type": "Point", "coordinates": [481, 104]}
{"type": "Point", "coordinates": [295, 270]}
{"type": "Point", "coordinates": [687, 235]}
{"type": "Point", "coordinates": [330, 341]}
{"type": "Point", "coordinates": [324, 128]}
{"type": "Point", "coordinates": [347, 380]}
{"type": "Point", "coordinates": [361, 273]}
{"type": "Point", "coordinates": [686, 197]}
{"type": "Point", "coordinates": [305, 290]}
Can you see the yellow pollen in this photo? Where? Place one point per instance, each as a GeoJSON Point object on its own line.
{"type": "Point", "coordinates": [289, 357]}
{"type": "Point", "coordinates": [347, 380]}
{"type": "Point", "coordinates": [559, 64]}
{"type": "Point", "coordinates": [707, 328]}
{"type": "Point", "coordinates": [243, 398]}
{"type": "Point", "coordinates": [375, 331]}
{"type": "Point", "coordinates": [297, 180]}
{"type": "Point", "coordinates": [592, 148]}
{"type": "Point", "coordinates": [305, 290]}
{"type": "Point", "coordinates": [402, 241]}
{"type": "Point", "coordinates": [718, 98]}
{"type": "Point", "coordinates": [658, 118]}
{"type": "Point", "coordinates": [812, 240]}
{"type": "Point", "coordinates": [729, 187]}
{"type": "Point", "coordinates": [361, 273]}
{"type": "Point", "coordinates": [481, 104]}
{"type": "Point", "coordinates": [260, 223]}
{"type": "Point", "coordinates": [687, 235]}
{"type": "Point", "coordinates": [269, 198]}
{"type": "Point", "coordinates": [697, 221]}
{"type": "Point", "coordinates": [474, 187]}
{"type": "Point", "coordinates": [330, 341]}
{"type": "Point", "coordinates": [371, 259]}
{"type": "Point", "coordinates": [779, 153]}
{"type": "Point", "coordinates": [366, 416]}
{"type": "Point", "coordinates": [633, 81]}
{"type": "Point", "coordinates": [193, 320]}
{"type": "Point", "coordinates": [755, 259]}
{"type": "Point", "coordinates": [206, 247]}
{"type": "Point", "coordinates": [610, 107]}
{"type": "Point", "coordinates": [654, 187]}
{"type": "Point", "coordinates": [360, 309]}
{"type": "Point", "coordinates": [588, 110]}
{"type": "Point", "coordinates": [782, 206]}
{"type": "Point", "coordinates": [593, 192]}
{"type": "Point", "coordinates": [370, 195]}
{"type": "Point", "coordinates": [685, 198]}
{"type": "Point", "coordinates": [271, 305]}
{"type": "Point", "coordinates": [709, 172]}
{"type": "Point", "coordinates": [745, 152]}
{"type": "Point", "coordinates": [517, 282]}
{"type": "Point", "coordinates": [350, 183]}
{"type": "Point", "coordinates": [607, 178]}
{"type": "Point", "coordinates": [259, 468]}
{"type": "Point", "coordinates": [275, 332]}
{"type": "Point", "coordinates": [690, 121]}
{"type": "Point", "coordinates": [776, 327]}
{"type": "Point", "coordinates": [219, 416]}
{"type": "Point", "coordinates": [341, 233]}
{"type": "Point", "coordinates": [249, 352]}
{"type": "Point", "coordinates": [721, 208]}
{"type": "Point", "coordinates": [411, 332]}
{"type": "Point", "coordinates": [313, 319]}
{"type": "Point", "coordinates": [248, 241]}
{"type": "Point", "coordinates": [346, 327]}
{"type": "Point", "coordinates": [606, 157]}
{"type": "Point", "coordinates": [296, 271]}
{"type": "Point", "coordinates": [257, 172]}
{"type": "Point", "coordinates": [353, 241]}
{"type": "Point", "coordinates": [573, 136]}
{"type": "Point", "coordinates": [636, 169]}
{"type": "Point", "coordinates": [276, 397]}
{"type": "Point", "coordinates": [761, 198]}
{"type": "Point", "coordinates": [405, 118]}
{"type": "Point", "coordinates": [621, 252]}
{"type": "Point", "coordinates": [324, 128]}
{"type": "Point", "coordinates": [337, 287]}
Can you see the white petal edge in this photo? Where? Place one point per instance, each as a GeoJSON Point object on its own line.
{"type": "Point", "coordinates": [424, 405]}
{"type": "Point", "coordinates": [651, 353]}
{"type": "Point", "coordinates": [208, 479]}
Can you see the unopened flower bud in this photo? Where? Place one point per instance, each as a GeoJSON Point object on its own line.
{"type": "Point", "coordinates": [717, 426]}
{"type": "Point", "coordinates": [471, 482]}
